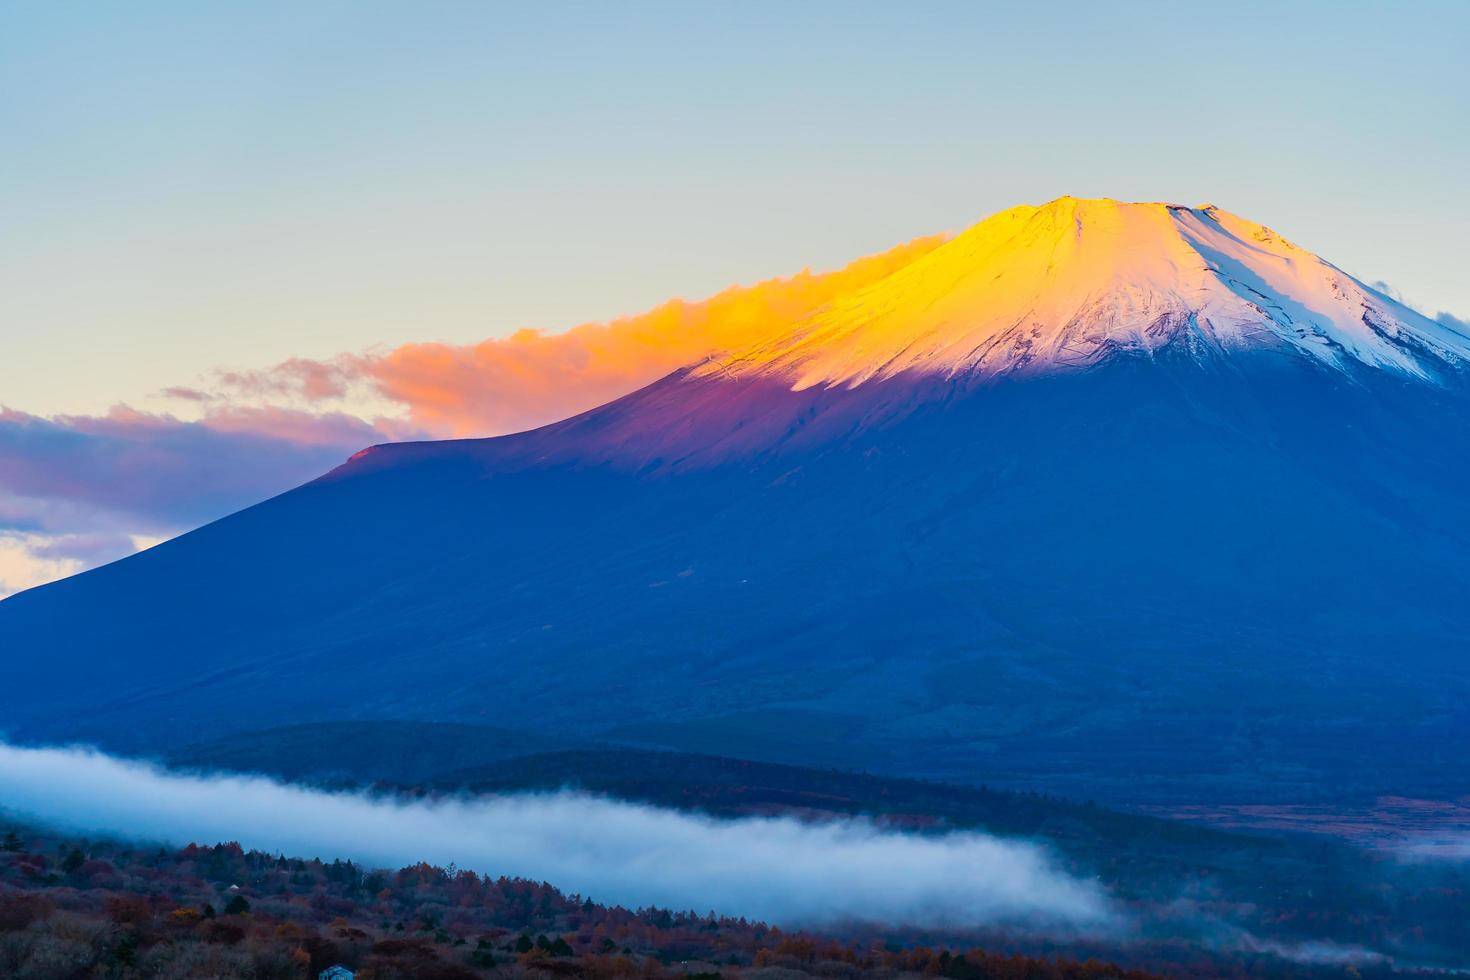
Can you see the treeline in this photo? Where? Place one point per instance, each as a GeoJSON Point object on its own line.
{"type": "Point", "coordinates": [1290, 890]}
{"type": "Point", "coordinates": [78, 909]}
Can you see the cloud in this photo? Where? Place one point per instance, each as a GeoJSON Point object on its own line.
{"type": "Point", "coordinates": [1445, 847]}
{"type": "Point", "coordinates": [1319, 953]}
{"type": "Point", "coordinates": [73, 489]}
{"type": "Point", "coordinates": [187, 394]}
{"type": "Point", "coordinates": [90, 549]}
{"type": "Point", "coordinates": [158, 473]}
{"type": "Point", "coordinates": [31, 559]}
{"type": "Point", "coordinates": [21, 567]}
{"type": "Point", "coordinates": [79, 491]}
{"type": "Point", "coordinates": [311, 380]}
{"type": "Point", "coordinates": [1444, 319]}
{"type": "Point", "coordinates": [1388, 290]}
{"type": "Point", "coordinates": [532, 377]}
{"type": "Point", "coordinates": [1192, 921]}
{"type": "Point", "coordinates": [775, 869]}
{"type": "Point", "coordinates": [1454, 323]}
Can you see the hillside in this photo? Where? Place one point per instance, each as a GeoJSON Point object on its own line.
{"type": "Point", "coordinates": [1219, 556]}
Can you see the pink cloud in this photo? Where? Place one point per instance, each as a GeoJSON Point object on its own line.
{"type": "Point", "coordinates": [312, 380]}
{"type": "Point", "coordinates": [187, 394]}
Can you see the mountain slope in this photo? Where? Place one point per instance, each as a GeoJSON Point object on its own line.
{"type": "Point", "coordinates": [1152, 542]}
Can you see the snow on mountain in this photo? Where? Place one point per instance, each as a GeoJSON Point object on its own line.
{"type": "Point", "coordinates": [1031, 291]}
{"type": "Point", "coordinates": [1066, 283]}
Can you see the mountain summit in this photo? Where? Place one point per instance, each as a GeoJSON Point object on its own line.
{"type": "Point", "coordinates": [1030, 292]}
{"type": "Point", "coordinates": [1132, 500]}
{"type": "Point", "coordinates": [1068, 282]}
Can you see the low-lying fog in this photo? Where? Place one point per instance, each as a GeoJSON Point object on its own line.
{"type": "Point", "coordinates": [775, 869]}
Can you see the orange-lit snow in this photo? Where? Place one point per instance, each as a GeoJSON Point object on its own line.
{"type": "Point", "coordinates": [1059, 284]}
{"type": "Point", "coordinates": [1032, 290]}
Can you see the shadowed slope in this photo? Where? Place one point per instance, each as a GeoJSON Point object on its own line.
{"type": "Point", "coordinates": [1193, 569]}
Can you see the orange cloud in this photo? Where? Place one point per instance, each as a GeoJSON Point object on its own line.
{"type": "Point", "coordinates": [78, 490]}
{"type": "Point", "coordinates": [532, 377]}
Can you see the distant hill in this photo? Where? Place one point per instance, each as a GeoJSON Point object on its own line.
{"type": "Point", "coordinates": [358, 752]}
{"type": "Point", "coordinates": [440, 758]}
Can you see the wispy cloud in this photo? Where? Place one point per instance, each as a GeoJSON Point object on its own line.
{"type": "Point", "coordinates": [1230, 938]}
{"type": "Point", "coordinates": [1444, 318]}
{"type": "Point", "coordinates": [1455, 323]}
{"type": "Point", "coordinates": [90, 549]}
{"type": "Point", "coordinates": [776, 869]}
{"type": "Point", "coordinates": [1454, 847]}
{"type": "Point", "coordinates": [533, 377]}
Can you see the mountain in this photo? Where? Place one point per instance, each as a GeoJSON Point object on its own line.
{"type": "Point", "coordinates": [1030, 292]}
{"type": "Point", "coordinates": [1135, 501]}
{"type": "Point", "coordinates": [1035, 288]}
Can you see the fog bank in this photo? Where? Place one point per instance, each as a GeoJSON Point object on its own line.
{"type": "Point", "coordinates": [776, 869]}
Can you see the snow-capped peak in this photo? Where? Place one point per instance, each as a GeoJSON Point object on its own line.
{"type": "Point", "coordinates": [1066, 283]}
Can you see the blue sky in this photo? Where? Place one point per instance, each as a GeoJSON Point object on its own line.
{"type": "Point", "coordinates": [190, 188]}
{"type": "Point", "coordinates": [197, 185]}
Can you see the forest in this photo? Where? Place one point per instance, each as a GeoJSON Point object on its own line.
{"type": "Point", "coordinates": [78, 908]}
